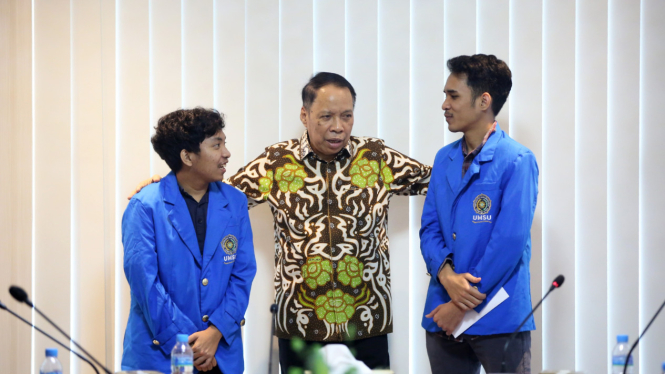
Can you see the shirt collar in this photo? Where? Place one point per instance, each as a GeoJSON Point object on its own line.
{"type": "Point", "coordinates": [491, 131]}
{"type": "Point", "coordinates": [186, 195]}
{"type": "Point", "coordinates": [306, 149]}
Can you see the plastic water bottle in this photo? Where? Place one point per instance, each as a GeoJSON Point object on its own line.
{"type": "Point", "coordinates": [51, 364]}
{"type": "Point", "coordinates": [663, 368]}
{"type": "Point", "coordinates": [182, 357]}
{"type": "Point", "coordinates": [619, 356]}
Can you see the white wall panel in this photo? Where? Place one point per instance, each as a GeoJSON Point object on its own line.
{"type": "Point", "coordinates": [197, 54]}
{"type": "Point", "coordinates": [296, 63]}
{"type": "Point", "coordinates": [261, 130]}
{"type": "Point", "coordinates": [229, 76]}
{"type": "Point", "coordinates": [652, 180]}
{"type": "Point", "coordinates": [426, 138]}
{"type": "Point", "coordinates": [329, 30]}
{"type": "Point", "coordinates": [526, 120]}
{"type": "Point", "coordinates": [361, 62]}
{"type": "Point", "coordinates": [107, 37]}
{"type": "Point", "coordinates": [15, 185]}
{"type": "Point", "coordinates": [459, 25]}
{"type": "Point", "coordinates": [591, 185]}
{"type": "Point", "coordinates": [51, 289]}
{"type": "Point", "coordinates": [133, 147]}
{"type": "Point", "coordinates": [166, 68]}
{"type": "Point", "coordinates": [558, 187]}
{"type": "Point", "coordinates": [88, 314]}
{"type": "Point", "coordinates": [393, 126]}
{"type": "Point", "coordinates": [623, 134]}
{"type": "Point", "coordinates": [492, 38]}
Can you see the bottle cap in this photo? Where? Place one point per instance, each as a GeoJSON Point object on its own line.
{"type": "Point", "coordinates": [622, 338]}
{"type": "Point", "coordinates": [663, 366]}
{"type": "Point", "coordinates": [182, 338]}
{"type": "Point", "coordinates": [51, 352]}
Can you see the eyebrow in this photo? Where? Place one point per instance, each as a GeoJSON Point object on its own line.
{"type": "Point", "coordinates": [218, 138]}
{"type": "Point", "coordinates": [449, 91]}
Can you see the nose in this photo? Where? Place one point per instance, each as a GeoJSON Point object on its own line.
{"type": "Point", "coordinates": [336, 126]}
{"type": "Point", "coordinates": [445, 105]}
{"type": "Point", "coordinates": [227, 153]}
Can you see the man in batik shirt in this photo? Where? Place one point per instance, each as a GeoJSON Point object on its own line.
{"type": "Point", "coordinates": [329, 193]}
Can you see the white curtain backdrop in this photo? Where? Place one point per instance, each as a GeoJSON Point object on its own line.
{"type": "Point", "coordinates": [83, 82]}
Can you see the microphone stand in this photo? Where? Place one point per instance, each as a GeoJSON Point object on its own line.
{"type": "Point", "coordinates": [273, 311]}
{"type": "Point", "coordinates": [625, 365]}
{"type": "Point", "coordinates": [2, 306]}
{"type": "Point", "coordinates": [24, 298]}
{"type": "Point", "coordinates": [558, 281]}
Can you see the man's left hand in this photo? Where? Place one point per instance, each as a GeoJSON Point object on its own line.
{"type": "Point", "coordinates": [447, 316]}
{"type": "Point", "coordinates": [204, 345]}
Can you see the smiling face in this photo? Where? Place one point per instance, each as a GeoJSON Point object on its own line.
{"type": "Point", "coordinates": [209, 165]}
{"type": "Point", "coordinates": [329, 121]}
{"type": "Point", "coordinates": [462, 112]}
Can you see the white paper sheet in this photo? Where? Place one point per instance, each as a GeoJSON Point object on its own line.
{"type": "Point", "coordinates": [472, 316]}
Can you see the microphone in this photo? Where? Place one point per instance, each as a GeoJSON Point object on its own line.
{"type": "Point", "coordinates": [273, 311]}
{"type": "Point", "coordinates": [558, 281]}
{"type": "Point", "coordinates": [625, 366]}
{"type": "Point", "coordinates": [3, 306]}
{"type": "Point", "coordinates": [20, 295]}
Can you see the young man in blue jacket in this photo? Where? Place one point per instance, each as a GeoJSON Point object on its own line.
{"type": "Point", "coordinates": [475, 234]}
{"type": "Point", "coordinates": [189, 255]}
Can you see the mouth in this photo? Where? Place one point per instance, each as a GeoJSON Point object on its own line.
{"type": "Point", "coordinates": [222, 167]}
{"type": "Point", "coordinates": [335, 143]}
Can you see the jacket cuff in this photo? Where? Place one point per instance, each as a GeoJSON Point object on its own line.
{"type": "Point", "coordinates": [166, 339]}
{"type": "Point", "coordinates": [226, 324]}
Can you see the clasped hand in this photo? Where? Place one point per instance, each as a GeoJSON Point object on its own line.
{"type": "Point", "coordinates": [204, 345]}
{"type": "Point", "coordinates": [459, 288]}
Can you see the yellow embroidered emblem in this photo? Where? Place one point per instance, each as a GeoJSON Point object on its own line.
{"type": "Point", "coordinates": [482, 204]}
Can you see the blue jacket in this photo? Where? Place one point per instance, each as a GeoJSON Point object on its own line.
{"type": "Point", "coordinates": [173, 286]}
{"type": "Point", "coordinates": [484, 221]}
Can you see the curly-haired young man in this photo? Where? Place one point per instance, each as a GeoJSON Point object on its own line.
{"type": "Point", "coordinates": [189, 256]}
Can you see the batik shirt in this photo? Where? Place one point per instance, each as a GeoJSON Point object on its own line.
{"type": "Point", "coordinates": [332, 264]}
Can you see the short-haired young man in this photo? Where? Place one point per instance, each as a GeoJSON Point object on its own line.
{"type": "Point", "coordinates": [476, 223]}
{"type": "Point", "coordinates": [189, 256]}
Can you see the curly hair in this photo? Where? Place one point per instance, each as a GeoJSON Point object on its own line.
{"type": "Point", "coordinates": [324, 79]}
{"type": "Point", "coordinates": [184, 129]}
{"type": "Point", "coordinates": [484, 73]}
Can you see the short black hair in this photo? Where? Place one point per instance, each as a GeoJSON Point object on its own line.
{"type": "Point", "coordinates": [323, 79]}
{"type": "Point", "coordinates": [184, 129]}
{"type": "Point", "coordinates": [484, 73]}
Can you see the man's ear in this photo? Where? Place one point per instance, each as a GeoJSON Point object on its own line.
{"type": "Point", "coordinates": [185, 157]}
{"type": "Point", "coordinates": [303, 116]}
{"type": "Point", "coordinates": [485, 101]}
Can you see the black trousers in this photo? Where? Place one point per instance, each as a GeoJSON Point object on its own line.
{"type": "Point", "coordinates": [372, 351]}
{"type": "Point", "coordinates": [449, 356]}
{"type": "Point", "coordinates": [214, 370]}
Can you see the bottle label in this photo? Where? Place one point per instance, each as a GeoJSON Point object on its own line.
{"type": "Point", "coordinates": [621, 361]}
{"type": "Point", "coordinates": [182, 365]}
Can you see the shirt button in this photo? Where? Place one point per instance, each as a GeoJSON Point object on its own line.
{"type": "Point", "coordinates": [155, 342]}
{"type": "Point", "coordinates": [205, 318]}
{"type": "Point", "coordinates": [428, 274]}
{"type": "Point", "coordinates": [242, 323]}
{"type": "Point", "coordinates": [454, 236]}
{"type": "Point", "coordinates": [200, 221]}
{"type": "Point", "coordinates": [204, 281]}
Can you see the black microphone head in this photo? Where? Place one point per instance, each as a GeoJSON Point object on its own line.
{"type": "Point", "coordinates": [558, 281]}
{"type": "Point", "coordinates": [273, 308]}
{"type": "Point", "coordinates": [19, 294]}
